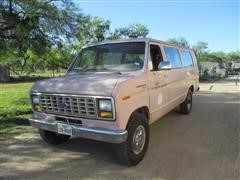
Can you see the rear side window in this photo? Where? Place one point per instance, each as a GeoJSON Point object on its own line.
{"type": "Point", "coordinates": [186, 58]}
{"type": "Point", "coordinates": [172, 55]}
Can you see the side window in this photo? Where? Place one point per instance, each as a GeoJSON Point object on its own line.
{"type": "Point", "coordinates": [186, 58]}
{"type": "Point", "coordinates": [156, 56]}
{"type": "Point", "coordinates": [172, 55]}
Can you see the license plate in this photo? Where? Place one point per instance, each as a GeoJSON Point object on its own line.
{"type": "Point", "coordinates": [64, 129]}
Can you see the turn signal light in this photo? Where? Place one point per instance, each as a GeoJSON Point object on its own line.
{"type": "Point", "coordinates": [37, 107]}
{"type": "Point", "coordinates": [104, 114]}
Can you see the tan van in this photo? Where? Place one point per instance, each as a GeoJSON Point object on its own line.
{"type": "Point", "coordinates": [113, 91]}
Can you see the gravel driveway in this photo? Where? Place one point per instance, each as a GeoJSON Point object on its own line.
{"type": "Point", "coordinates": [202, 145]}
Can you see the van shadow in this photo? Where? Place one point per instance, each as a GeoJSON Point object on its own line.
{"type": "Point", "coordinates": [98, 150]}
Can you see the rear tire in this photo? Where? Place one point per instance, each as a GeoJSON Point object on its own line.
{"type": "Point", "coordinates": [132, 151]}
{"type": "Point", "coordinates": [53, 138]}
{"type": "Point", "coordinates": [186, 106]}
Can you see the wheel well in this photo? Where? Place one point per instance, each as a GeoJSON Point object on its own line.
{"type": "Point", "coordinates": [191, 88]}
{"type": "Point", "coordinates": [143, 110]}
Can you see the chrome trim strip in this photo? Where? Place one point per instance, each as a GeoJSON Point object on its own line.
{"type": "Point", "coordinates": [111, 136]}
{"type": "Point", "coordinates": [142, 85]}
{"type": "Point", "coordinates": [163, 85]}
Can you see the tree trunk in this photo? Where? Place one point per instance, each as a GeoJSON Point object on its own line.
{"type": "Point", "coordinates": [4, 74]}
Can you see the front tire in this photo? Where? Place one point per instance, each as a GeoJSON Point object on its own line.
{"type": "Point", "coordinates": [186, 106]}
{"type": "Point", "coordinates": [132, 151]}
{"type": "Point", "coordinates": [53, 138]}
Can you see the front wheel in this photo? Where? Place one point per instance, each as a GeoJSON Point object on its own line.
{"type": "Point", "coordinates": [53, 138]}
{"type": "Point", "coordinates": [134, 149]}
{"type": "Point", "coordinates": [186, 106]}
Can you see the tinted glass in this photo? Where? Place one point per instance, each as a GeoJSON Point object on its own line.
{"type": "Point", "coordinates": [172, 55]}
{"type": "Point", "coordinates": [186, 58]}
{"type": "Point", "coordinates": [112, 57]}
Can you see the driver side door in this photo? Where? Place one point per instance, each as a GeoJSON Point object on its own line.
{"type": "Point", "coordinates": [158, 79]}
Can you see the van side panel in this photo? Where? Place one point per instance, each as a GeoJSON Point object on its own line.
{"type": "Point", "coordinates": [130, 95]}
{"type": "Point", "coordinates": [178, 84]}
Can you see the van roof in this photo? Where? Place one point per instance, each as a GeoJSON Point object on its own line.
{"type": "Point", "coordinates": [147, 40]}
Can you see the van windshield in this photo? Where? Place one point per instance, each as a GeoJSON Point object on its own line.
{"type": "Point", "coordinates": [113, 57]}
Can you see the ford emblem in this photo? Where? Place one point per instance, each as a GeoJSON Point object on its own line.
{"type": "Point", "coordinates": [63, 105]}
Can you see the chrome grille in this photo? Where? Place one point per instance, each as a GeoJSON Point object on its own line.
{"type": "Point", "coordinates": [68, 105]}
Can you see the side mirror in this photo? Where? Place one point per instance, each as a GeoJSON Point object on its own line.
{"type": "Point", "coordinates": [164, 65]}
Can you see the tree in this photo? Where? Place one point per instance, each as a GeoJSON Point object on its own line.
{"type": "Point", "coordinates": [93, 29]}
{"type": "Point", "coordinates": [134, 30]}
{"type": "Point", "coordinates": [200, 48]}
{"type": "Point", "coordinates": [180, 42]}
{"type": "Point", "coordinates": [34, 26]}
{"type": "Point", "coordinates": [233, 56]}
{"type": "Point", "coordinates": [32, 23]}
{"type": "Point", "coordinates": [47, 33]}
{"type": "Point", "coordinates": [58, 58]}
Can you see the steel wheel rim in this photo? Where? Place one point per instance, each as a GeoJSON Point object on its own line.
{"type": "Point", "coordinates": [139, 139]}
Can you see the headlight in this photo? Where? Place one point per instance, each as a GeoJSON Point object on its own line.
{"type": "Point", "coordinates": [105, 108]}
{"type": "Point", "coordinates": [105, 105]}
{"type": "Point", "coordinates": [36, 100]}
{"type": "Point", "coordinates": [36, 103]}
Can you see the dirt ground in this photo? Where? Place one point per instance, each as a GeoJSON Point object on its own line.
{"type": "Point", "coordinates": [202, 145]}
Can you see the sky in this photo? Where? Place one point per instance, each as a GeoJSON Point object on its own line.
{"type": "Point", "coordinates": [216, 22]}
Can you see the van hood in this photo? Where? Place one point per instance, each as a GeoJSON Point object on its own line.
{"type": "Point", "coordinates": [101, 84]}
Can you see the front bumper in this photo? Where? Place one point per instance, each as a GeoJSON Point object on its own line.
{"type": "Point", "coordinates": [111, 136]}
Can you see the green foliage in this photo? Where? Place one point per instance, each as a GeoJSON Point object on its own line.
{"type": "Point", "coordinates": [213, 57]}
{"type": "Point", "coordinates": [43, 34]}
{"type": "Point", "coordinates": [203, 53]}
{"type": "Point", "coordinates": [180, 42]}
{"type": "Point", "coordinates": [93, 29]}
{"type": "Point", "coordinates": [132, 31]}
{"type": "Point", "coordinates": [36, 25]}
{"type": "Point", "coordinates": [29, 28]}
{"type": "Point", "coordinates": [233, 56]}
{"type": "Point", "coordinates": [200, 49]}
{"type": "Point", "coordinates": [58, 57]}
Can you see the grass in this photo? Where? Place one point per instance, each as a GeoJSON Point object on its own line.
{"type": "Point", "coordinates": [15, 109]}
{"type": "Point", "coordinates": [42, 73]}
